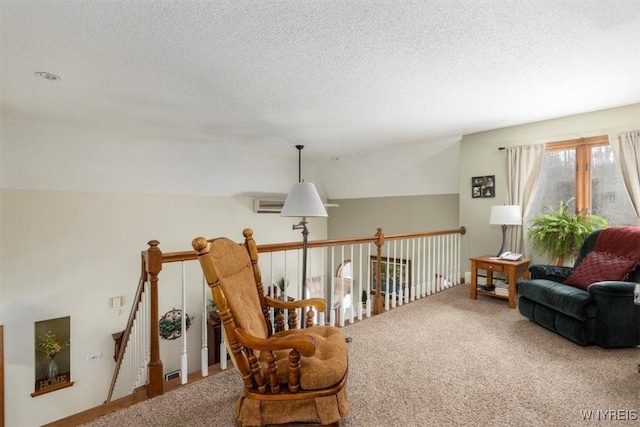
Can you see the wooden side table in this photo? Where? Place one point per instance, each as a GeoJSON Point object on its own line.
{"type": "Point", "coordinates": [490, 264]}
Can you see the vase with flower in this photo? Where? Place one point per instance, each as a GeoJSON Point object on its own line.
{"type": "Point", "coordinates": [49, 345]}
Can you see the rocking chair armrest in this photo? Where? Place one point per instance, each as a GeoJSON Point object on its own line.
{"type": "Point", "coordinates": [318, 303]}
{"type": "Point", "coordinates": [305, 344]}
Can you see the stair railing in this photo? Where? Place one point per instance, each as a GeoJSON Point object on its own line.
{"type": "Point", "coordinates": [410, 266]}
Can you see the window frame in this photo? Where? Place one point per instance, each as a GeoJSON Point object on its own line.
{"type": "Point", "coordinates": [582, 147]}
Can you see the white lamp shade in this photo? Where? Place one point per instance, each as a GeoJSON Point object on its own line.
{"type": "Point", "coordinates": [303, 200]}
{"type": "Point", "coordinates": [506, 215]}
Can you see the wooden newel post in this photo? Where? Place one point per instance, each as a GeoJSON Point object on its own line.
{"type": "Point", "coordinates": [377, 299]}
{"type": "Point", "coordinates": [153, 267]}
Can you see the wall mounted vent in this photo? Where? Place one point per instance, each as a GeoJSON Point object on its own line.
{"type": "Point", "coordinates": [267, 206]}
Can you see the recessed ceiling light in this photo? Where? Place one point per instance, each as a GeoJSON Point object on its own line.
{"type": "Point", "coordinates": [47, 76]}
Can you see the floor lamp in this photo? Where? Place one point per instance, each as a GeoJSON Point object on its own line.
{"type": "Point", "coordinates": [505, 215]}
{"type": "Point", "coordinates": [303, 201]}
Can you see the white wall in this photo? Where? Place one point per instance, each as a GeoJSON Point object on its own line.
{"type": "Point", "coordinates": [67, 253]}
{"type": "Point", "coordinates": [53, 157]}
{"type": "Point", "coordinates": [418, 168]}
{"type": "Point", "coordinates": [479, 156]}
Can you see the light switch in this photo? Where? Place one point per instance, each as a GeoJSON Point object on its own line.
{"type": "Point", "coordinates": [116, 302]}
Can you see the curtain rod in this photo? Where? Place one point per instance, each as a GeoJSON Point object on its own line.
{"type": "Point", "coordinates": [501, 148]}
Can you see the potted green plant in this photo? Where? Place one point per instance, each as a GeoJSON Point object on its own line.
{"type": "Point", "coordinates": [282, 283]}
{"type": "Point", "coordinates": [560, 234]}
{"type": "Point", "coordinates": [170, 325]}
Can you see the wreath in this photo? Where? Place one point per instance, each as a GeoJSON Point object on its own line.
{"type": "Point", "coordinates": [171, 324]}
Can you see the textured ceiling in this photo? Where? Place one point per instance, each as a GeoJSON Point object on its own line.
{"type": "Point", "coordinates": [340, 77]}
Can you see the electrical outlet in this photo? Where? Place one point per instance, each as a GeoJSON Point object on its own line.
{"type": "Point", "coordinates": [636, 295]}
{"type": "Point", "coordinates": [94, 356]}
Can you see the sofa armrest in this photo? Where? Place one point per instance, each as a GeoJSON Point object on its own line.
{"type": "Point", "coordinates": [612, 287]}
{"type": "Point", "coordinates": [617, 317]}
{"type": "Point", "coordinates": [556, 273]}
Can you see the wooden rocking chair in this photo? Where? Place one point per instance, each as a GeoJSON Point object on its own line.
{"type": "Point", "coordinates": [297, 375]}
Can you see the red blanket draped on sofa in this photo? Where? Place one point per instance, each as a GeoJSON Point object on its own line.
{"type": "Point", "coordinates": [620, 241]}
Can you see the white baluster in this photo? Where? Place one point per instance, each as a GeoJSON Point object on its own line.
{"type": "Point", "coordinates": [434, 274]}
{"type": "Point", "coordinates": [430, 262]}
{"type": "Point", "coordinates": [451, 260]}
{"type": "Point", "coordinates": [135, 342]}
{"type": "Point", "coordinates": [275, 290]}
{"type": "Point", "coordinates": [183, 365]}
{"type": "Point", "coordinates": [204, 350]}
{"type": "Point", "coordinates": [404, 255]}
{"type": "Point", "coordinates": [143, 330]}
{"type": "Point", "coordinates": [394, 280]}
{"type": "Point", "coordinates": [414, 288]}
{"type": "Point", "coordinates": [387, 294]}
{"type": "Point", "coordinates": [353, 299]}
{"type": "Point", "coordinates": [449, 274]}
{"type": "Point", "coordinates": [322, 314]}
{"type": "Point", "coordinates": [423, 264]}
{"type": "Point", "coordinates": [147, 331]}
{"type": "Point", "coordinates": [445, 268]}
{"type": "Point", "coordinates": [358, 302]}
{"type": "Point", "coordinates": [397, 277]}
{"type": "Point", "coordinates": [368, 314]}
{"type": "Point", "coordinates": [332, 290]}
{"type": "Point", "coordinates": [129, 374]}
{"type": "Point", "coordinates": [408, 292]}
{"type": "Point", "coordinates": [339, 298]}
{"type": "Point", "coordinates": [444, 275]}
{"type": "Point", "coordinates": [223, 348]}
{"type": "Point", "coordinates": [301, 317]}
{"type": "Point", "coordinates": [458, 272]}
{"type": "Point", "coordinates": [439, 264]}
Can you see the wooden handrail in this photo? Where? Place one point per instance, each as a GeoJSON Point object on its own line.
{"type": "Point", "coordinates": [461, 231]}
{"type": "Point", "coordinates": [153, 258]}
{"type": "Point", "coordinates": [169, 257]}
{"type": "Point", "coordinates": [179, 256]}
{"type": "Point", "coordinates": [127, 331]}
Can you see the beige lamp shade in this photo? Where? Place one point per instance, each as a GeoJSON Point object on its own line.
{"type": "Point", "coordinates": [505, 215]}
{"type": "Point", "coordinates": [303, 200]}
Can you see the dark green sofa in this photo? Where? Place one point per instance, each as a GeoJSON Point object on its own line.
{"type": "Point", "coordinates": [603, 314]}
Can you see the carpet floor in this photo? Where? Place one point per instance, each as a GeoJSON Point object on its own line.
{"type": "Point", "coordinates": [444, 360]}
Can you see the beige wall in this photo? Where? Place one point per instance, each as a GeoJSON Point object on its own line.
{"type": "Point", "coordinates": [479, 155]}
{"type": "Point", "coordinates": [395, 215]}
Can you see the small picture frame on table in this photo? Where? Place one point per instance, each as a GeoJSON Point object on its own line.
{"type": "Point", "coordinates": [393, 272]}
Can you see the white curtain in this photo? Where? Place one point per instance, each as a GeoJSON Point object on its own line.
{"type": "Point", "coordinates": [524, 164]}
{"type": "Point", "coordinates": [626, 149]}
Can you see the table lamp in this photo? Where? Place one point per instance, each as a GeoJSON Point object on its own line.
{"type": "Point", "coordinates": [505, 215]}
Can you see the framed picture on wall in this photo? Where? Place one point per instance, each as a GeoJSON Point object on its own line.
{"type": "Point", "coordinates": [483, 186]}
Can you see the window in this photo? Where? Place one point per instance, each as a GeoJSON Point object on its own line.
{"type": "Point", "coordinates": [585, 170]}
